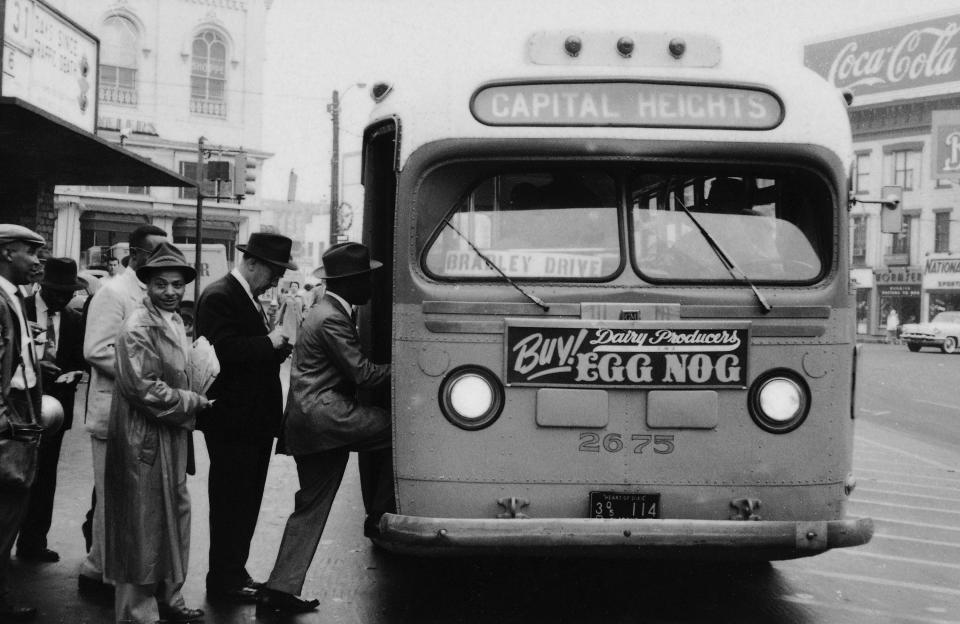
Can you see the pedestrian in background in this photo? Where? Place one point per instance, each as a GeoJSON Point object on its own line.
{"type": "Point", "coordinates": [240, 428]}
{"type": "Point", "coordinates": [20, 392]}
{"type": "Point", "coordinates": [152, 416]}
{"type": "Point", "coordinates": [112, 304]}
{"type": "Point", "coordinates": [61, 364]}
{"type": "Point", "coordinates": [893, 322]}
{"type": "Point", "coordinates": [324, 422]}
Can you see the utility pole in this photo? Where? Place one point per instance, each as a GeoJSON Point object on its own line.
{"type": "Point", "coordinates": [199, 232]}
{"type": "Point", "coordinates": [334, 109]}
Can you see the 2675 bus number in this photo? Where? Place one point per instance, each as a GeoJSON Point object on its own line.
{"type": "Point", "coordinates": [593, 442]}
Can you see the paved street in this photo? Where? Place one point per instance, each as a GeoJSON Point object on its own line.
{"type": "Point", "coordinates": [908, 482]}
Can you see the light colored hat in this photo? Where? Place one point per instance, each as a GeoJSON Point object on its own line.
{"type": "Point", "coordinates": [10, 232]}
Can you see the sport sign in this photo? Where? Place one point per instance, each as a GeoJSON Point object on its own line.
{"type": "Point", "coordinates": [621, 354]}
{"type": "Point", "coordinates": [641, 104]}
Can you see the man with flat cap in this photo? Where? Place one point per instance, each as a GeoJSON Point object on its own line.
{"type": "Point", "coordinates": [20, 392]}
{"type": "Point", "coordinates": [239, 429]}
{"type": "Point", "coordinates": [60, 358]}
{"type": "Point", "coordinates": [324, 422]}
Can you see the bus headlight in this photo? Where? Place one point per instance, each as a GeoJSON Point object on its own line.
{"type": "Point", "coordinates": [779, 400]}
{"type": "Point", "coordinates": [471, 397]}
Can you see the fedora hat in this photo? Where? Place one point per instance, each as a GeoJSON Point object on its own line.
{"type": "Point", "coordinates": [60, 274]}
{"type": "Point", "coordinates": [166, 257]}
{"type": "Point", "coordinates": [346, 259]}
{"type": "Point", "coordinates": [272, 248]}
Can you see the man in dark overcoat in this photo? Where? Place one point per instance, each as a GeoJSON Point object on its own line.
{"type": "Point", "coordinates": [239, 429]}
{"type": "Point", "coordinates": [61, 362]}
{"type": "Point", "coordinates": [20, 389]}
{"type": "Point", "coordinates": [325, 421]}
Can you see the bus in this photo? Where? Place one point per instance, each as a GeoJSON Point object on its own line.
{"type": "Point", "coordinates": [616, 303]}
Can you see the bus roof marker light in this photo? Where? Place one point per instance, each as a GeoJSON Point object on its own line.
{"type": "Point", "coordinates": [677, 47]}
{"type": "Point", "coordinates": [572, 45]}
{"type": "Point", "coordinates": [380, 91]}
{"type": "Point", "coordinates": [625, 47]}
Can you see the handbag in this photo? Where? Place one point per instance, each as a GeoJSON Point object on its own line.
{"type": "Point", "coordinates": [18, 457]}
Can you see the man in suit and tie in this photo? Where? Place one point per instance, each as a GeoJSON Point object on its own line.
{"type": "Point", "coordinates": [240, 427]}
{"type": "Point", "coordinates": [325, 422]}
{"type": "Point", "coordinates": [20, 388]}
{"type": "Point", "coordinates": [60, 358]}
{"type": "Point", "coordinates": [113, 303]}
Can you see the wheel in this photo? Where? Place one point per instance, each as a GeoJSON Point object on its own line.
{"type": "Point", "coordinates": [913, 346]}
{"type": "Point", "coordinates": [949, 345]}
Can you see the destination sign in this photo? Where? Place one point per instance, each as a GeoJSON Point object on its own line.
{"type": "Point", "coordinates": [641, 104]}
{"type": "Point", "coordinates": [639, 355]}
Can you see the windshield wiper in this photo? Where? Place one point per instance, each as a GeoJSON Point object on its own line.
{"type": "Point", "coordinates": [490, 263]}
{"type": "Point", "coordinates": [728, 263]}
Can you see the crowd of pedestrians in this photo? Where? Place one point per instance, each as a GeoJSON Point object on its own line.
{"type": "Point", "coordinates": [143, 406]}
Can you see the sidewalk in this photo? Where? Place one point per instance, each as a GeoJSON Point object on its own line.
{"type": "Point", "coordinates": [52, 587]}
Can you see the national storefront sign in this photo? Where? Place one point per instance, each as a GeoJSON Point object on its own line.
{"type": "Point", "coordinates": [903, 57]}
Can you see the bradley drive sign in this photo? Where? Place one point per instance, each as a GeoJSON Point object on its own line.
{"type": "Point", "coordinates": [903, 57]}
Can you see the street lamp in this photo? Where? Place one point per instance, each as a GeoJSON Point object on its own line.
{"type": "Point", "coordinates": [334, 109]}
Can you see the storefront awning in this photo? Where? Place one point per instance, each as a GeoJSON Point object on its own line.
{"type": "Point", "coordinates": [37, 145]}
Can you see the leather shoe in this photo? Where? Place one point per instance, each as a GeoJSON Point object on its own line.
{"type": "Point", "coordinates": [242, 595]}
{"type": "Point", "coordinates": [16, 613]}
{"type": "Point", "coordinates": [252, 584]}
{"type": "Point", "coordinates": [43, 555]}
{"type": "Point", "coordinates": [94, 589]}
{"type": "Point", "coordinates": [179, 614]}
{"type": "Point", "coordinates": [287, 603]}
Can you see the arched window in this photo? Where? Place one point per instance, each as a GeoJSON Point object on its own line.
{"type": "Point", "coordinates": [118, 61]}
{"type": "Point", "coordinates": [208, 74]}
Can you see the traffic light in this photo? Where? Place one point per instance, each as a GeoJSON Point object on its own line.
{"type": "Point", "coordinates": [891, 209]}
{"type": "Point", "coordinates": [245, 175]}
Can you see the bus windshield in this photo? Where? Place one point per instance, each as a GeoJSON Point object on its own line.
{"type": "Point", "coordinates": [772, 228]}
{"type": "Point", "coordinates": [563, 225]}
{"type": "Point", "coordinates": [557, 226]}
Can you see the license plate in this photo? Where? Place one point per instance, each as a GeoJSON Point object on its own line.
{"type": "Point", "coordinates": [624, 505]}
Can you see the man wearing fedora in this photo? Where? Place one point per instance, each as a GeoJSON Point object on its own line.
{"type": "Point", "coordinates": [20, 391]}
{"type": "Point", "coordinates": [239, 429]}
{"type": "Point", "coordinates": [324, 422]}
{"type": "Point", "coordinates": [59, 350]}
{"type": "Point", "coordinates": [110, 306]}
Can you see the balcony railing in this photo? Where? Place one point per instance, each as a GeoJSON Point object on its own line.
{"type": "Point", "coordinates": [215, 108]}
{"type": "Point", "coordinates": [118, 95]}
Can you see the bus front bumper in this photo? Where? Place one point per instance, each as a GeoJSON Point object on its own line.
{"type": "Point", "coordinates": [687, 539]}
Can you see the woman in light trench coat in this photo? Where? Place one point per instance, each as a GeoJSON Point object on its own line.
{"type": "Point", "coordinates": [147, 507]}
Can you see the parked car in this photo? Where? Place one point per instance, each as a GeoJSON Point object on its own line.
{"type": "Point", "coordinates": [942, 332]}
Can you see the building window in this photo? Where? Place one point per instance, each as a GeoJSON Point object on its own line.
{"type": "Point", "coordinates": [901, 241]}
{"type": "Point", "coordinates": [208, 74]}
{"type": "Point", "coordinates": [861, 178]}
{"type": "Point", "coordinates": [126, 190]}
{"type": "Point", "coordinates": [859, 240]}
{"type": "Point", "coordinates": [941, 232]}
{"type": "Point", "coordinates": [118, 62]}
{"type": "Point", "coordinates": [903, 168]}
{"type": "Point", "coordinates": [189, 171]}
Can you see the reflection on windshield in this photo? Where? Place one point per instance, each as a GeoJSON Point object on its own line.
{"type": "Point", "coordinates": [767, 227]}
{"type": "Point", "coordinates": [540, 226]}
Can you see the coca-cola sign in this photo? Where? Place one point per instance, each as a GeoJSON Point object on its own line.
{"type": "Point", "coordinates": [915, 55]}
{"type": "Point", "coordinates": [622, 354]}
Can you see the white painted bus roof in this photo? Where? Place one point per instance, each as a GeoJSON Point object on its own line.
{"type": "Point", "coordinates": [435, 104]}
